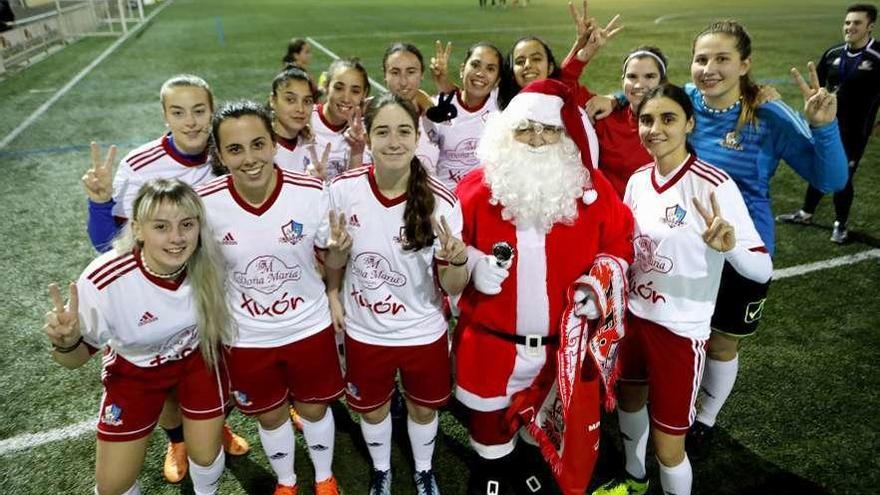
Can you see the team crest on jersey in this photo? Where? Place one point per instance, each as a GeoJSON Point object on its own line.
{"type": "Point", "coordinates": [732, 141]}
{"type": "Point", "coordinates": [674, 216]}
{"type": "Point", "coordinates": [112, 415]}
{"type": "Point", "coordinates": [754, 311]}
{"type": "Point", "coordinates": [646, 257]}
{"type": "Point", "coordinates": [292, 232]}
{"type": "Point", "coordinates": [866, 65]}
{"type": "Point", "coordinates": [266, 274]}
{"type": "Point", "coordinates": [241, 398]}
{"type": "Point", "coordinates": [373, 270]}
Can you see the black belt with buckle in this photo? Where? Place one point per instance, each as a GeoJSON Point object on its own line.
{"type": "Point", "coordinates": [526, 340]}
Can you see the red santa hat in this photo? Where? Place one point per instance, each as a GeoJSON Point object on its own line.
{"type": "Point", "coordinates": [552, 102]}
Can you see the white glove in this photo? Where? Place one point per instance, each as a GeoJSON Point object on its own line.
{"type": "Point", "coordinates": [585, 303]}
{"type": "Point", "coordinates": [488, 276]}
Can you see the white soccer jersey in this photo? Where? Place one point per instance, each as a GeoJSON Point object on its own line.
{"type": "Point", "coordinates": [457, 139]}
{"type": "Point", "coordinates": [275, 291]}
{"type": "Point", "coordinates": [675, 276]}
{"type": "Point", "coordinates": [392, 297]}
{"type": "Point", "coordinates": [145, 319]}
{"type": "Point", "coordinates": [325, 133]}
{"type": "Point", "coordinates": [293, 154]}
{"type": "Point", "coordinates": [157, 159]}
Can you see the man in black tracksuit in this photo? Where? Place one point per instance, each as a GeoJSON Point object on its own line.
{"type": "Point", "coordinates": [852, 70]}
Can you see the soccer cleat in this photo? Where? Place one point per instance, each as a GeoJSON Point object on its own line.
{"type": "Point", "coordinates": [327, 487]}
{"type": "Point", "coordinates": [426, 483]}
{"type": "Point", "coordinates": [232, 443]}
{"type": "Point", "coordinates": [799, 217]}
{"type": "Point", "coordinates": [626, 486]}
{"type": "Point", "coordinates": [285, 489]}
{"type": "Point", "coordinates": [840, 234]}
{"type": "Point", "coordinates": [698, 440]}
{"type": "Point", "coordinates": [176, 463]}
{"type": "Point", "coordinates": [380, 482]}
{"type": "Point", "coordinates": [295, 419]}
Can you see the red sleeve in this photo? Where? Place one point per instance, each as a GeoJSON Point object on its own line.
{"type": "Point", "coordinates": [571, 71]}
{"type": "Point", "coordinates": [617, 229]}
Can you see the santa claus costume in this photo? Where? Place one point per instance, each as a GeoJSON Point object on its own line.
{"type": "Point", "coordinates": [561, 217]}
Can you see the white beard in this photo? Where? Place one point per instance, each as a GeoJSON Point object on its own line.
{"type": "Point", "coordinates": [537, 187]}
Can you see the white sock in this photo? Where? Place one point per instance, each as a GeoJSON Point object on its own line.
{"type": "Point", "coordinates": [319, 438]}
{"type": "Point", "coordinates": [422, 439]}
{"type": "Point", "coordinates": [278, 444]}
{"type": "Point", "coordinates": [718, 380]}
{"type": "Point", "coordinates": [378, 438]}
{"type": "Point", "coordinates": [134, 490]}
{"type": "Point", "coordinates": [634, 427]}
{"type": "Point", "coordinates": [676, 480]}
{"type": "Point", "coordinates": [206, 478]}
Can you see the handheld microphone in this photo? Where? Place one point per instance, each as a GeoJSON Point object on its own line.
{"type": "Point", "coordinates": [503, 253]}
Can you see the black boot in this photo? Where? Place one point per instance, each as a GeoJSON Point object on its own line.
{"type": "Point", "coordinates": [531, 474]}
{"type": "Point", "coordinates": [490, 476]}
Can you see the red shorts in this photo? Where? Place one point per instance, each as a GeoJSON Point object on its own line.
{"type": "Point", "coordinates": [371, 369]}
{"type": "Point", "coordinates": [670, 364]}
{"type": "Point", "coordinates": [133, 396]}
{"type": "Point", "coordinates": [305, 371]}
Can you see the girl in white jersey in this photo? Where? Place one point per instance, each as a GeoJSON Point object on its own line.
{"type": "Point", "coordinates": [392, 296]}
{"type": "Point", "coordinates": [337, 121]}
{"type": "Point", "coordinates": [270, 223]}
{"type": "Point", "coordinates": [156, 302]}
{"type": "Point", "coordinates": [292, 102]}
{"type": "Point", "coordinates": [681, 244]}
{"type": "Point", "coordinates": [181, 153]}
{"type": "Point", "coordinates": [457, 138]}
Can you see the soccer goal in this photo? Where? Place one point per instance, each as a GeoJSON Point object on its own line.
{"type": "Point", "coordinates": [51, 25]}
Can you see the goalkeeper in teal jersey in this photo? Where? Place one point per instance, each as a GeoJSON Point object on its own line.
{"type": "Point", "coordinates": [747, 140]}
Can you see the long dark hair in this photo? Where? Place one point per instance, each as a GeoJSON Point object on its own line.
{"type": "Point", "coordinates": [748, 88]}
{"type": "Point", "coordinates": [419, 196]}
{"type": "Point", "coordinates": [508, 87]}
{"type": "Point", "coordinates": [676, 94]}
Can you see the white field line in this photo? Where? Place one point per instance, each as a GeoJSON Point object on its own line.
{"type": "Point", "coordinates": [31, 440]}
{"type": "Point", "coordinates": [681, 15]}
{"type": "Point", "coordinates": [334, 56]}
{"type": "Point", "coordinates": [77, 78]}
{"type": "Point", "coordinates": [794, 271]}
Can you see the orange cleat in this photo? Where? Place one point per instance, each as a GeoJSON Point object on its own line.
{"type": "Point", "coordinates": [327, 487]}
{"type": "Point", "coordinates": [294, 417]}
{"type": "Point", "coordinates": [176, 463]}
{"type": "Point", "coordinates": [285, 490]}
{"type": "Point", "coordinates": [232, 443]}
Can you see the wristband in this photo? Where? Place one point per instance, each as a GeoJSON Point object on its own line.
{"type": "Point", "coordinates": [67, 350]}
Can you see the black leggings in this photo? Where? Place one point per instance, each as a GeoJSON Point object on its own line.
{"type": "Point", "coordinates": [843, 199]}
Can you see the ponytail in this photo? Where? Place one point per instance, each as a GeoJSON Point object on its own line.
{"type": "Point", "coordinates": [419, 208]}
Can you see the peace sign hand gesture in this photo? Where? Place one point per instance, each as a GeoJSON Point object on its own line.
{"type": "Point", "coordinates": [719, 234]}
{"type": "Point", "coordinates": [62, 323]}
{"type": "Point", "coordinates": [452, 249]}
{"type": "Point", "coordinates": [440, 66]}
{"type": "Point", "coordinates": [98, 180]}
{"type": "Point", "coordinates": [339, 242]}
{"type": "Point", "coordinates": [355, 135]}
{"type": "Point", "coordinates": [820, 106]}
{"type": "Point", "coordinates": [318, 167]}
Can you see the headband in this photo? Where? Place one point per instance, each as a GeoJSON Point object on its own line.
{"type": "Point", "coordinates": [646, 53]}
